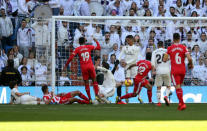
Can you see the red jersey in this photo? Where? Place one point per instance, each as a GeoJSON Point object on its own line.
{"type": "Point", "coordinates": [144, 67]}
{"type": "Point", "coordinates": [55, 99]}
{"type": "Point", "coordinates": [177, 54]}
{"type": "Point", "coordinates": [84, 53]}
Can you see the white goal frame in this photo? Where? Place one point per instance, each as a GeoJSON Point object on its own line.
{"type": "Point", "coordinates": [72, 18]}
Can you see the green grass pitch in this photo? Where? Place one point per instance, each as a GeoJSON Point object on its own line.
{"type": "Point", "coordinates": [111, 112]}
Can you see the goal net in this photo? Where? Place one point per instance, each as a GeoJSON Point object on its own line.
{"type": "Point", "coordinates": [111, 33]}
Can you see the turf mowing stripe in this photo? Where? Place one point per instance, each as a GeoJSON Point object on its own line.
{"type": "Point", "coordinates": [105, 126]}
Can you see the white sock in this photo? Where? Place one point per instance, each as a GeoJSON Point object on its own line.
{"type": "Point", "coordinates": [158, 95]}
{"type": "Point", "coordinates": [167, 91]}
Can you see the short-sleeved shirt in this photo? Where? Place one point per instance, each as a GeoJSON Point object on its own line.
{"type": "Point", "coordinates": [14, 98]}
{"type": "Point", "coordinates": [144, 67]}
{"type": "Point", "coordinates": [177, 54]}
{"type": "Point", "coordinates": [55, 99]}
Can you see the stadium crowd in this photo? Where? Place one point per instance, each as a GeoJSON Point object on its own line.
{"type": "Point", "coordinates": [27, 42]}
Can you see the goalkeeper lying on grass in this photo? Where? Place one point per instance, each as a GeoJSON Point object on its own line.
{"type": "Point", "coordinates": [63, 98]}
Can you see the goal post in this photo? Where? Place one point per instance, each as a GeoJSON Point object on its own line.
{"type": "Point", "coordinates": [123, 21]}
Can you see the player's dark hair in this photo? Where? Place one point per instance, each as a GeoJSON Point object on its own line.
{"type": "Point", "coordinates": [148, 56]}
{"type": "Point", "coordinates": [160, 44]}
{"type": "Point", "coordinates": [12, 84]}
{"type": "Point", "coordinates": [113, 55]}
{"type": "Point", "coordinates": [105, 65]}
{"type": "Point", "coordinates": [130, 37]}
{"type": "Point", "coordinates": [82, 40]}
{"type": "Point", "coordinates": [44, 88]}
{"type": "Point", "coordinates": [24, 67]}
{"type": "Point", "coordinates": [176, 36]}
{"type": "Point", "coordinates": [97, 57]}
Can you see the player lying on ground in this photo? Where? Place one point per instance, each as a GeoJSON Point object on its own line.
{"type": "Point", "coordinates": [107, 89]}
{"type": "Point", "coordinates": [177, 53]}
{"type": "Point", "coordinates": [140, 81]}
{"type": "Point", "coordinates": [87, 67]}
{"type": "Point", "coordinates": [162, 72]}
{"type": "Point", "coordinates": [63, 98]}
{"type": "Point", "coordinates": [131, 53]}
{"type": "Point", "coordinates": [22, 98]}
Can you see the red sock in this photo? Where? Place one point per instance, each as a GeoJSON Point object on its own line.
{"type": "Point", "coordinates": [83, 97]}
{"type": "Point", "coordinates": [179, 93]}
{"type": "Point", "coordinates": [127, 96]}
{"type": "Point", "coordinates": [95, 87]}
{"type": "Point", "coordinates": [149, 94]}
{"type": "Point", "coordinates": [87, 88]}
{"type": "Point", "coordinates": [83, 102]}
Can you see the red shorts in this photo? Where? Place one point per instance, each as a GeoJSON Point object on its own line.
{"type": "Point", "coordinates": [138, 84]}
{"type": "Point", "coordinates": [177, 79]}
{"type": "Point", "coordinates": [88, 71]}
{"type": "Point", "coordinates": [65, 99]}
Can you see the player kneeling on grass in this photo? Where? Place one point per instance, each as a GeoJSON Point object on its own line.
{"type": "Point", "coordinates": [22, 98]}
{"type": "Point", "coordinates": [107, 89]}
{"type": "Point", "coordinates": [63, 98]}
{"type": "Point", "coordinates": [140, 81]}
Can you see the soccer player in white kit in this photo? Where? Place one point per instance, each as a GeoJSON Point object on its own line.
{"type": "Point", "coordinates": [162, 71]}
{"type": "Point", "coordinates": [131, 53]}
{"type": "Point", "coordinates": [107, 89]}
{"type": "Point", "coordinates": [22, 98]}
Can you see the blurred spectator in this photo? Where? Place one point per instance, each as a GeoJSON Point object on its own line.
{"type": "Point", "coordinates": [24, 39]}
{"type": "Point", "coordinates": [16, 53]}
{"type": "Point", "coordinates": [11, 56]}
{"type": "Point", "coordinates": [84, 8]}
{"type": "Point", "coordinates": [98, 34]}
{"type": "Point", "coordinates": [9, 73]}
{"type": "Point", "coordinates": [202, 42]}
{"type": "Point", "coordinates": [180, 10]}
{"type": "Point", "coordinates": [115, 51]}
{"type": "Point", "coordinates": [63, 34]}
{"type": "Point", "coordinates": [26, 78]}
{"type": "Point", "coordinates": [189, 42]}
{"type": "Point", "coordinates": [79, 32]}
{"type": "Point", "coordinates": [196, 54]}
{"type": "Point", "coordinates": [106, 46]}
{"type": "Point", "coordinates": [151, 45]}
{"type": "Point", "coordinates": [24, 63]}
{"type": "Point", "coordinates": [55, 5]}
{"type": "Point", "coordinates": [117, 5]}
{"type": "Point", "coordinates": [6, 30]}
{"type": "Point", "coordinates": [64, 80]}
{"type": "Point", "coordinates": [114, 37]}
{"type": "Point", "coordinates": [68, 6]}
{"type": "Point", "coordinates": [126, 32]}
{"type": "Point", "coordinates": [40, 72]}
{"type": "Point", "coordinates": [2, 62]}
{"type": "Point", "coordinates": [111, 61]}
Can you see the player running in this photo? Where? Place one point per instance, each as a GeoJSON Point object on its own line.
{"type": "Point", "coordinates": [140, 80]}
{"type": "Point", "coordinates": [177, 53]}
{"type": "Point", "coordinates": [62, 98]}
{"type": "Point", "coordinates": [131, 53]}
{"type": "Point", "coordinates": [162, 71]}
{"type": "Point", "coordinates": [22, 98]}
{"type": "Point", "coordinates": [87, 67]}
{"type": "Point", "coordinates": [107, 89]}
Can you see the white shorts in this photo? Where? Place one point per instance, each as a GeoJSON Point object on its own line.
{"type": "Point", "coordinates": [161, 79]}
{"type": "Point", "coordinates": [106, 91]}
{"type": "Point", "coordinates": [27, 99]}
{"type": "Point", "coordinates": [131, 73]}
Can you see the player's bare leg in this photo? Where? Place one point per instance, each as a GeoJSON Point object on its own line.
{"type": "Point", "coordinates": [78, 93]}
{"type": "Point", "coordinates": [158, 96]}
{"type": "Point", "coordinates": [168, 93]}
{"type": "Point", "coordinates": [179, 93]}
{"type": "Point", "coordinates": [87, 88]}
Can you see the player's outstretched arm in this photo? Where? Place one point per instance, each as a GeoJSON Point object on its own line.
{"type": "Point", "coordinates": [131, 66]}
{"type": "Point", "coordinates": [98, 47]}
{"type": "Point", "coordinates": [190, 61]}
{"type": "Point", "coordinates": [165, 58]}
{"type": "Point", "coordinates": [69, 60]}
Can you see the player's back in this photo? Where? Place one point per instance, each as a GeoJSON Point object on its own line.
{"type": "Point", "coordinates": [144, 67]}
{"type": "Point", "coordinates": [177, 56]}
{"type": "Point", "coordinates": [84, 53]}
{"type": "Point", "coordinates": [157, 61]}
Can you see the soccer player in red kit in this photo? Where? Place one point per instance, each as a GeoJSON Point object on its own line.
{"type": "Point", "coordinates": [87, 67]}
{"type": "Point", "coordinates": [177, 53]}
{"type": "Point", "coordinates": [63, 98]}
{"type": "Point", "coordinates": [140, 80]}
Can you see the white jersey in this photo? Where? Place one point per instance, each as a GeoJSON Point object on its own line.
{"type": "Point", "coordinates": [14, 98]}
{"type": "Point", "coordinates": [160, 66]}
{"type": "Point", "coordinates": [131, 54]}
{"type": "Point", "coordinates": [109, 80]}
